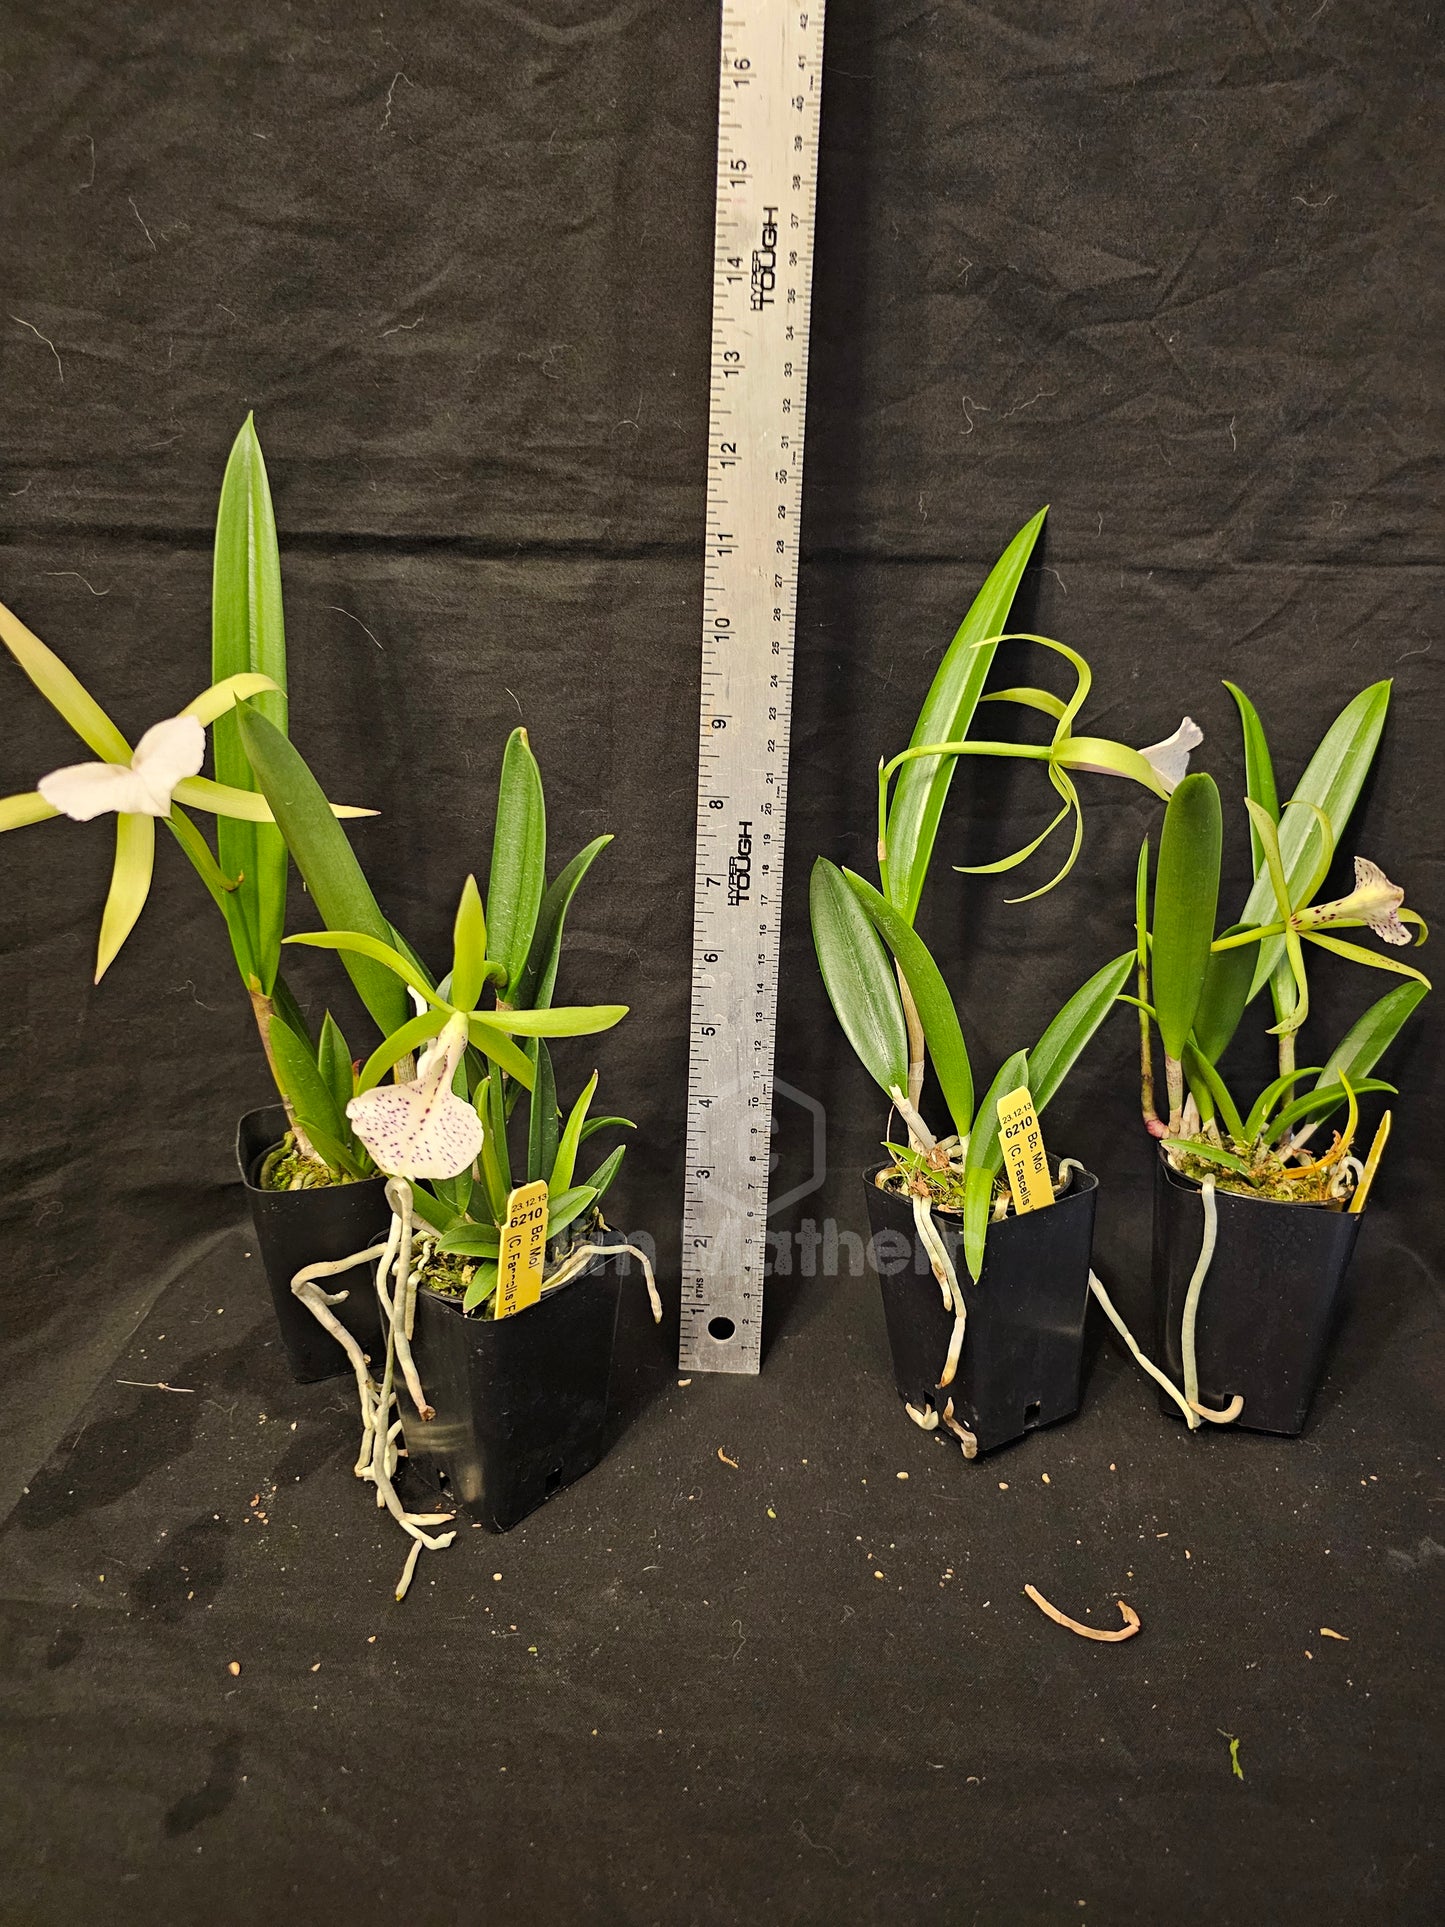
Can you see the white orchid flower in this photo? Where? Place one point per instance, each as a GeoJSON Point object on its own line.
{"type": "Point", "coordinates": [422, 1129]}
{"type": "Point", "coordinates": [1374, 901]}
{"type": "Point", "coordinates": [1170, 759]}
{"type": "Point", "coordinates": [165, 755]}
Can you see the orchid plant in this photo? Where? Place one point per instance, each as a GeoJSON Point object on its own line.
{"type": "Point", "coordinates": [477, 1113]}
{"type": "Point", "coordinates": [885, 987]}
{"type": "Point", "coordinates": [160, 781]}
{"type": "Point", "coordinates": [1194, 985]}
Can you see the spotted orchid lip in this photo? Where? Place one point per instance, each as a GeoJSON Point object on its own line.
{"type": "Point", "coordinates": [422, 1129]}
{"type": "Point", "coordinates": [1374, 901]}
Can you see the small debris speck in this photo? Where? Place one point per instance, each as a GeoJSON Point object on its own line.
{"type": "Point", "coordinates": [1046, 1479]}
{"type": "Point", "coordinates": [1328, 1632]}
{"type": "Point", "coordinates": [902, 1475]}
{"type": "Point", "coordinates": [317, 1667]}
{"type": "Point", "coordinates": [877, 1574]}
{"type": "Point", "coordinates": [771, 1513]}
{"type": "Point", "coordinates": [496, 1575]}
{"type": "Point", "coordinates": [726, 1460]}
{"type": "Point", "coordinates": [234, 1669]}
{"type": "Point", "coordinates": [684, 1381]}
{"type": "Point", "coordinates": [1003, 1485]}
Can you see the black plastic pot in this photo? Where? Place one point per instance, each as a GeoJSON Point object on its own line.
{"type": "Point", "coordinates": [520, 1402]}
{"type": "Point", "coordinates": [1023, 1344]}
{"type": "Point", "coordinates": [296, 1228]}
{"type": "Point", "coordinates": [1269, 1304]}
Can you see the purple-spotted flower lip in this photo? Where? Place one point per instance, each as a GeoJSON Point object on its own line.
{"type": "Point", "coordinates": [422, 1129]}
{"type": "Point", "coordinates": [1374, 901]}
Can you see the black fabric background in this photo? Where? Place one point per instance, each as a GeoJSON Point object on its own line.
{"type": "Point", "coordinates": [1168, 268]}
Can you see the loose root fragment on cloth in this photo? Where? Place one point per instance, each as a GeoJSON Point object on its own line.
{"type": "Point", "coordinates": [925, 1421]}
{"type": "Point", "coordinates": [400, 1265]}
{"type": "Point", "coordinates": [1126, 1631]}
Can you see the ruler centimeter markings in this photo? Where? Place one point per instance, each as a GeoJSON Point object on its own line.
{"type": "Point", "coordinates": [769, 98]}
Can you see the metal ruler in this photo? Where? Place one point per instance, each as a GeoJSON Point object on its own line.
{"type": "Point", "coordinates": [767, 170]}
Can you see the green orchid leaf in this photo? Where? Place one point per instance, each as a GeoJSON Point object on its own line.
{"type": "Point", "coordinates": [496, 1127]}
{"type": "Point", "coordinates": [1186, 896]}
{"type": "Point", "coordinates": [333, 1060]}
{"type": "Point", "coordinates": [1222, 1001]}
{"type": "Point", "coordinates": [1264, 1104]}
{"type": "Point", "coordinates": [469, 949]}
{"type": "Point", "coordinates": [519, 859]}
{"type": "Point", "coordinates": [63, 691]}
{"type": "Point", "coordinates": [1066, 1038]}
{"type": "Point", "coordinates": [309, 1095]}
{"type": "Point", "coordinates": [472, 1241]}
{"type": "Point", "coordinates": [1211, 1153]}
{"type": "Point", "coordinates": [601, 1179]}
{"type": "Point", "coordinates": [1318, 1103]}
{"type": "Point", "coordinates": [484, 1283]}
{"type": "Point", "coordinates": [326, 861]}
{"type": "Point", "coordinates": [1368, 1039]}
{"type": "Point", "coordinates": [431, 1210]}
{"type": "Point", "coordinates": [539, 974]}
{"type": "Point", "coordinates": [945, 716]}
{"type": "Point", "coordinates": [858, 977]}
{"type": "Point", "coordinates": [565, 1207]}
{"type": "Point", "coordinates": [1357, 953]}
{"type": "Point", "coordinates": [1258, 768]}
{"type": "Point", "coordinates": [455, 1192]}
{"type": "Point", "coordinates": [130, 882]}
{"type": "Point", "coordinates": [564, 1165]}
{"type": "Point", "coordinates": [407, 1038]}
{"type": "Point", "coordinates": [936, 1013]}
{"type": "Point", "coordinates": [984, 1158]}
{"type": "Point", "coordinates": [1204, 1080]}
{"type": "Point", "coordinates": [543, 1123]}
{"type": "Point", "coordinates": [488, 1163]}
{"type": "Point", "coordinates": [495, 1044]}
{"type": "Point", "coordinates": [1332, 783]}
{"type": "Point", "coordinates": [248, 637]}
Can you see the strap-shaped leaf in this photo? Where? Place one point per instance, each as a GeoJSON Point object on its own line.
{"type": "Point", "coordinates": [543, 1123]}
{"type": "Point", "coordinates": [1332, 783]}
{"type": "Point", "coordinates": [565, 1207]}
{"type": "Point", "coordinates": [1205, 1081]}
{"type": "Point", "coordinates": [1066, 1038]}
{"type": "Point", "coordinates": [492, 1182]}
{"type": "Point", "coordinates": [1186, 896]}
{"type": "Point", "coordinates": [1263, 1106]}
{"type": "Point", "coordinates": [559, 1178]}
{"type": "Point", "coordinates": [1371, 1036]}
{"type": "Point", "coordinates": [309, 1095]}
{"type": "Point", "coordinates": [326, 861]}
{"type": "Point", "coordinates": [248, 636]}
{"type": "Point", "coordinates": [519, 858]}
{"type": "Point", "coordinates": [62, 690]}
{"type": "Point", "coordinates": [601, 1179]}
{"type": "Point", "coordinates": [1318, 1103]}
{"type": "Point", "coordinates": [1258, 769]}
{"type": "Point", "coordinates": [333, 1060]}
{"type": "Point", "coordinates": [539, 973]}
{"type": "Point", "coordinates": [1227, 977]}
{"type": "Point", "coordinates": [496, 1123]}
{"type": "Point", "coordinates": [1211, 1153]}
{"type": "Point", "coordinates": [942, 1032]}
{"type": "Point", "coordinates": [469, 949]}
{"type": "Point", "coordinates": [984, 1157]}
{"type": "Point", "coordinates": [858, 977]}
{"type": "Point", "coordinates": [472, 1241]}
{"type": "Point", "coordinates": [946, 715]}
{"type": "Point", "coordinates": [484, 1283]}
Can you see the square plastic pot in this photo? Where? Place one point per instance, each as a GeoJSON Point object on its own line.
{"type": "Point", "coordinates": [1023, 1347]}
{"type": "Point", "coordinates": [1270, 1302]}
{"type": "Point", "coordinates": [297, 1228]}
{"type": "Point", "coordinates": [520, 1402]}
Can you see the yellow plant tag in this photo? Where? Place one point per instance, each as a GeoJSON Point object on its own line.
{"type": "Point", "coordinates": [1023, 1151]}
{"type": "Point", "coordinates": [524, 1248]}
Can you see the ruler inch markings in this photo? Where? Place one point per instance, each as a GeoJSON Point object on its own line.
{"type": "Point", "coordinates": [770, 91]}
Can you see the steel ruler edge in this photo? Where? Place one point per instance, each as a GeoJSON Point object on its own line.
{"type": "Point", "coordinates": [769, 101]}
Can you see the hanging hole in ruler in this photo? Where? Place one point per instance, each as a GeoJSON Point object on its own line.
{"type": "Point", "coordinates": [721, 1328]}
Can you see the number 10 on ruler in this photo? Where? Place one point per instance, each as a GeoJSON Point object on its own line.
{"type": "Point", "coordinates": [769, 97]}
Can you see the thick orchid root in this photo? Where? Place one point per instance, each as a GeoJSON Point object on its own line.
{"type": "Point", "coordinates": [943, 1271]}
{"type": "Point", "coordinates": [925, 1421]}
{"type": "Point", "coordinates": [965, 1438]}
{"type": "Point", "coordinates": [1191, 1418]}
{"type": "Point", "coordinates": [578, 1260]}
{"type": "Point", "coordinates": [1191, 1315]}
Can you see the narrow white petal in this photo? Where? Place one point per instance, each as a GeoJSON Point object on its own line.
{"type": "Point", "coordinates": [167, 752]}
{"type": "Point", "coordinates": [1170, 758]}
{"type": "Point", "coordinates": [85, 790]}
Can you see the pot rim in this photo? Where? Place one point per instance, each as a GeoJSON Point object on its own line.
{"type": "Point", "coordinates": [279, 1110]}
{"type": "Point", "coordinates": [450, 1302]}
{"type": "Point", "coordinates": [1181, 1183]}
{"type": "Point", "coordinates": [1079, 1184]}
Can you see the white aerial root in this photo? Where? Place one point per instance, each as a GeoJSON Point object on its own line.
{"type": "Point", "coordinates": [965, 1438]}
{"type": "Point", "coordinates": [1191, 1419]}
{"type": "Point", "coordinates": [943, 1271]}
{"type": "Point", "coordinates": [1191, 1313]}
{"type": "Point", "coordinates": [398, 1279]}
{"type": "Point", "coordinates": [925, 1421]}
